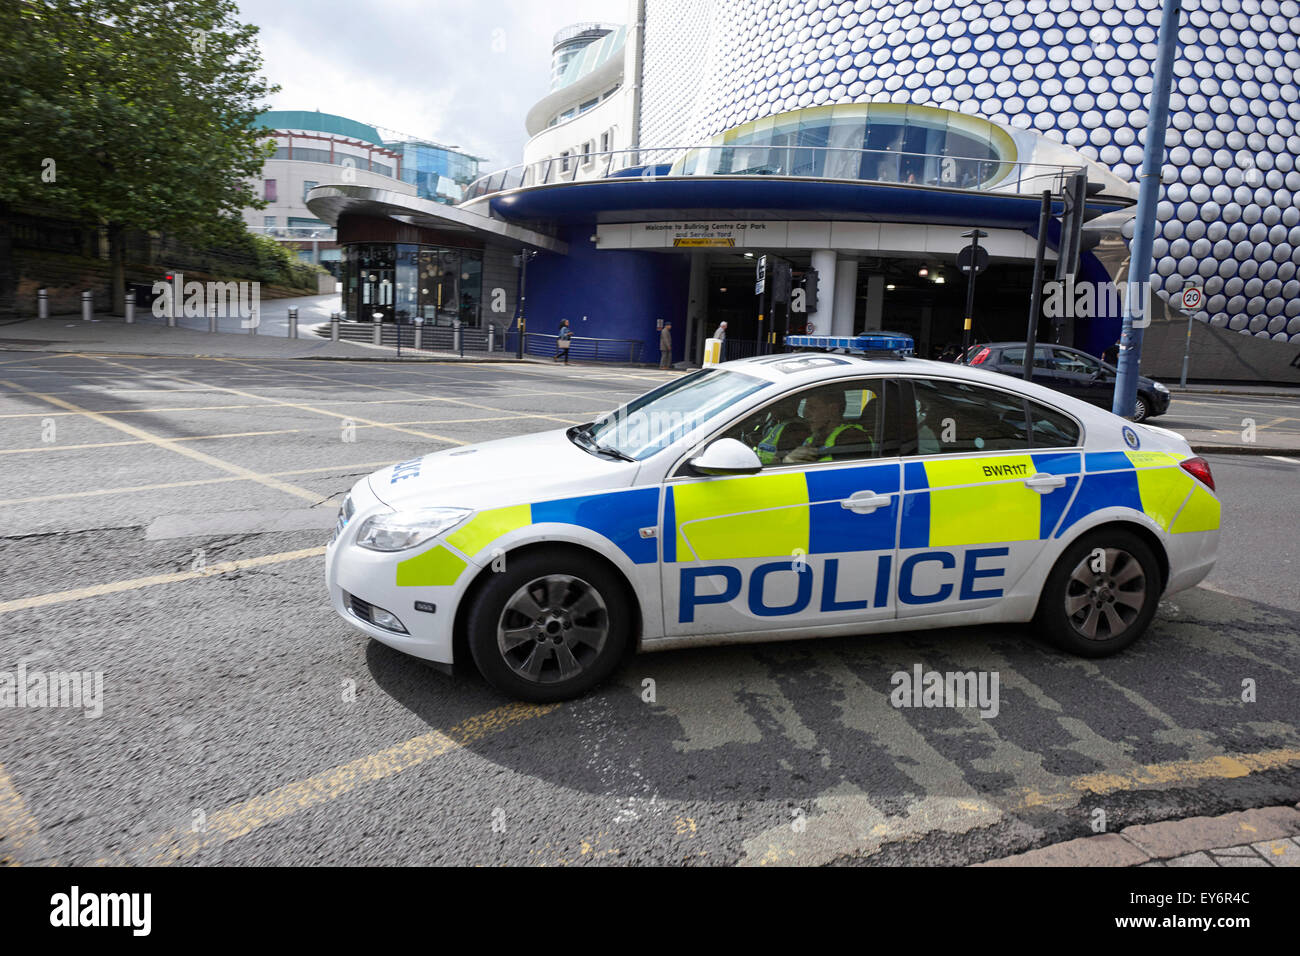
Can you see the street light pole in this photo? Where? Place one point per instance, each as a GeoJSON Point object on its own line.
{"type": "Point", "coordinates": [1036, 293]}
{"type": "Point", "coordinates": [1139, 264]}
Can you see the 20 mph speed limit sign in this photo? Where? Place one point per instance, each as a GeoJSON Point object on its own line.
{"type": "Point", "coordinates": [1192, 298]}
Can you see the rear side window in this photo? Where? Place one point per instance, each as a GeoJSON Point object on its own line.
{"type": "Point", "coordinates": [1051, 429]}
{"type": "Point", "coordinates": [959, 417]}
{"type": "Point", "coordinates": [955, 417]}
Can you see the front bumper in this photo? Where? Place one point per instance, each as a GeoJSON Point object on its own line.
{"type": "Point", "coordinates": [371, 576]}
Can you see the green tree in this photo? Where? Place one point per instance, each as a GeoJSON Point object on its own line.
{"type": "Point", "coordinates": [131, 114]}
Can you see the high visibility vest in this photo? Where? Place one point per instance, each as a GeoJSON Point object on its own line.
{"type": "Point", "coordinates": [768, 448]}
{"type": "Point", "coordinates": [860, 438]}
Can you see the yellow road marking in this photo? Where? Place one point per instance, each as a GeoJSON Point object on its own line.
{"type": "Point", "coordinates": [129, 489]}
{"type": "Point", "coordinates": [309, 408]}
{"type": "Point", "coordinates": [18, 828]}
{"type": "Point", "coordinates": [134, 584]}
{"type": "Point", "coordinates": [243, 818]}
{"type": "Point", "coordinates": [1221, 767]}
{"type": "Point", "coordinates": [199, 456]}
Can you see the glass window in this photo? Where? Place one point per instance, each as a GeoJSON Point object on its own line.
{"type": "Point", "coordinates": [1052, 429]}
{"type": "Point", "coordinates": [960, 417]}
{"type": "Point", "coordinates": [842, 421]}
{"type": "Point", "coordinates": [268, 190]}
{"type": "Point", "coordinates": [658, 418]}
{"type": "Point", "coordinates": [307, 186]}
{"type": "Point", "coordinates": [1017, 357]}
{"type": "Point", "coordinates": [268, 222]}
{"type": "Point", "coordinates": [1067, 361]}
{"type": "Point", "coordinates": [583, 107]}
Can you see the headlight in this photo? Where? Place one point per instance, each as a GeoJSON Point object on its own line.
{"type": "Point", "coordinates": [400, 530]}
{"type": "Point", "coordinates": [1160, 388]}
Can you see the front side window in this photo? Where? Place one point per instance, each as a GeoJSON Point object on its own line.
{"type": "Point", "coordinates": [658, 418]}
{"type": "Point", "coordinates": [842, 421]}
{"type": "Point", "coordinates": [1068, 361]}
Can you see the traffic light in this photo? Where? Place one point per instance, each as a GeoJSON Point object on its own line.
{"type": "Point", "coordinates": [810, 291]}
{"type": "Point", "coordinates": [1075, 194]}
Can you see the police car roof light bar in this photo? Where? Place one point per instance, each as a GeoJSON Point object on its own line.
{"type": "Point", "coordinates": [876, 344]}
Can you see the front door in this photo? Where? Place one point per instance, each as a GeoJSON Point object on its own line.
{"type": "Point", "coordinates": [809, 540]}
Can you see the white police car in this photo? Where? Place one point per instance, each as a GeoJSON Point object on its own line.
{"type": "Point", "coordinates": [783, 496]}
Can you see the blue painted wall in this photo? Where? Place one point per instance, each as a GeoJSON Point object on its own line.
{"type": "Point", "coordinates": [621, 292]}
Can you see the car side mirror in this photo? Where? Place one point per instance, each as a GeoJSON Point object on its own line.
{"type": "Point", "coordinates": [727, 456]}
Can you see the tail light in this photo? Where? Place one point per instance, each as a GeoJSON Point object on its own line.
{"type": "Point", "coordinates": [980, 356]}
{"type": "Point", "coordinates": [1199, 469]}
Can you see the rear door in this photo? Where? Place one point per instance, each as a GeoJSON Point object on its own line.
{"type": "Point", "coordinates": [986, 483]}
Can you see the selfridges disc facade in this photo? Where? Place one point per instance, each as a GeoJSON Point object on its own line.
{"type": "Point", "coordinates": [1077, 71]}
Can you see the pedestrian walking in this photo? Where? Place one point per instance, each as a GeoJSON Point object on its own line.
{"type": "Point", "coordinates": [666, 345]}
{"type": "Point", "coordinates": [563, 342]}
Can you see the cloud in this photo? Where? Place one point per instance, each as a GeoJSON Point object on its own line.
{"type": "Point", "coordinates": [461, 73]}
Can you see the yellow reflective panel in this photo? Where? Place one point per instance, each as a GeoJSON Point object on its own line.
{"type": "Point", "coordinates": [1201, 513]}
{"type": "Point", "coordinates": [755, 516]}
{"type": "Point", "coordinates": [1151, 459]}
{"type": "Point", "coordinates": [486, 526]}
{"type": "Point", "coordinates": [993, 506]}
{"type": "Point", "coordinates": [1162, 489]}
{"type": "Point", "coordinates": [437, 567]}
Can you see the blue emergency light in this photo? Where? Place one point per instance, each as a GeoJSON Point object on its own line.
{"type": "Point", "coordinates": [895, 343]}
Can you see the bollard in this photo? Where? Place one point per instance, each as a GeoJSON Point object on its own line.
{"type": "Point", "coordinates": [212, 317]}
{"type": "Point", "coordinates": [87, 305]}
{"type": "Point", "coordinates": [419, 330]}
{"type": "Point", "coordinates": [455, 338]}
{"type": "Point", "coordinates": [42, 303]}
{"type": "Point", "coordinates": [128, 308]}
{"type": "Point", "coordinates": [378, 337]}
{"type": "Point", "coordinates": [492, 334]}
{"type": "Point", "coordinates": [334, 326]}
{"type": "Point", "coordinates": [293, 322]}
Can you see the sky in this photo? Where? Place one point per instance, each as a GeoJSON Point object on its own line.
{"type": "Point", "coordinates": [459, 72]}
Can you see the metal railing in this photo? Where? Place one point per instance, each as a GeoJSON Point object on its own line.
{"type": "Point", "coordinates": [826, 163]}
{"type": "Point", "coordinates": [581, 347]}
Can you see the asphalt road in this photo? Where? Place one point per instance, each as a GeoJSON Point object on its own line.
{"type": "Point", "coordinates": [243, 723]}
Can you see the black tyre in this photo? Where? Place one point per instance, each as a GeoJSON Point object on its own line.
{"type": "Point", "coordinates": [1101, 595]}
{"type": "Point", "coordinates": [551, 626]}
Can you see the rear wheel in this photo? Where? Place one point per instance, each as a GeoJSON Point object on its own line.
{"type": "Point", "coordinates": [1101, 595]}
{"type": "Point", "coordinates": [549, 627]}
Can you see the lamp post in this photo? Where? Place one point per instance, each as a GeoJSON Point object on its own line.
{"type": "Point", "coordinates": [1139, 265]}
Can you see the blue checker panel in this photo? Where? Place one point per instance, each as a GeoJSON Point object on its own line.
{"type": "Point", "coordinates": [831, 527]}
{"type": "Point", "coordinates": [1116, 489]}
{"type": "Point", "coordinates": [619, 516]}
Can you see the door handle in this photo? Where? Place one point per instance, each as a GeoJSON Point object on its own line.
{"type": "Point", "coordinates": [1044, 483]}
{"type": "Point", "coordinates": [864, 502]}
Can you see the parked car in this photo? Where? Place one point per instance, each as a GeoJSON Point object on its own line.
{"type": "Point", "coordinates": [1070, 371]}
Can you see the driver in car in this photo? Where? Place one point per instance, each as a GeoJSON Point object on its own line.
{"type": "Point", "coordinates": [831, 438]}
{"type": "Point", "coordinates": [786, 434]}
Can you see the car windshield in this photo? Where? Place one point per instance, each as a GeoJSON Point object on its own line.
{"type": "Point", "coordinates": [658, 418]}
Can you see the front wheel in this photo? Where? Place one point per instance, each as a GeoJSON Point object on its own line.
{"type": "Point", "coordinates": [1101, 595]}
{"type": "Point", "coordinates": [549, 627]}
{"type": "Point", "coordinates": [1139, 410]}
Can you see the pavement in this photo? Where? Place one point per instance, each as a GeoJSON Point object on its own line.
{"type": "Point", "coordinates": [165, 523]}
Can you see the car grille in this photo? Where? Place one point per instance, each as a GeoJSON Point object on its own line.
{"type": "Point", "coordinates": [358, 607]}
